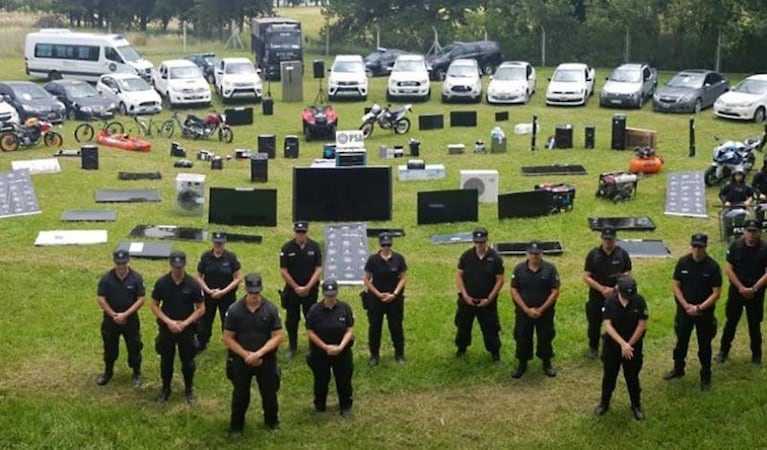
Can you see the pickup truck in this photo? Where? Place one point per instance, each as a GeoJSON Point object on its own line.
{"type": "Point", "coordinates": [237, 78]}
{"type": "Point", "coordinates": [629, 85]}
{"type": "Point", "coordinates": [571, 84]}
{"type": "Point", "coordinates": [181, 83]}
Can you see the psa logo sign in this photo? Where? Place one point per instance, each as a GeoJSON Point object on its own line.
{"type": "Point", "coordinates": [350, 139]}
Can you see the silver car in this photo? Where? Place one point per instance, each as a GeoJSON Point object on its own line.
{"type": "Point", "coordinates": [629, 85]}
{"type": "Point", "coordinates": [690, 91]}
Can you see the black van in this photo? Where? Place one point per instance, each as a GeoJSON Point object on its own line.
{"type": "Point", "coordinates": [487, 54]}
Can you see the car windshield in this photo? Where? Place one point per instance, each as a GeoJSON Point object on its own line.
{"type": "Point", "coordinates": [446, 50]}
{"type": "Point", "coordinates": [243, 68]}
{"type": "Point", "coordinates": [568, 75]}
{"type": "Point", "coordinates": [409, 65]}
{"type": "Point", "coordinates": [687, 80]}
{"type": "Point", "coordinates": [129, 53]}
{"type": "Point", "coordinates": [750, 86]}
{"type": "Point", "coordinates": [81, 90]}
{"type": "Point", "coordinates": [134, 84]}
{"type": "Point", "coordinates": [510, 73]}
{"type": "Point", "coordinates": [30, 92]}
{"type": "Point", "coordinates": [348, 67]}
{"type": "Point", "coordinates": [185, 72]}
{"type": "Point", "coordinates": [375, 56]}
{"type": "Point", "coordinates": [462, 71]}
{"type": "Point", "coordinates": [624, 75]}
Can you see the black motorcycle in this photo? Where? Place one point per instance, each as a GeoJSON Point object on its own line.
{"type": "Point", "coordinates": [387, 119]}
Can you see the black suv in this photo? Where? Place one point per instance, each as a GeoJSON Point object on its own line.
{"type": "Point", "coordinates": [487, 54]}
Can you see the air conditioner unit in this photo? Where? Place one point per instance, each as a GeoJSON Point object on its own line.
{"type": "Point", "coordinates": [484, 181]}
{"type": "Point", "coordinates": [190, 193]}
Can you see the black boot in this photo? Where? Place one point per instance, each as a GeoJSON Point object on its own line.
{"type": "Point", "coordinates": [520, 370]}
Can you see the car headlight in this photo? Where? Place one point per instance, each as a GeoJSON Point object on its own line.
{"type": "Point", "coordinates": [656, 96]}
{"type": "Point", "coordinates": [86, 109]}
{"type": "Point", "coordinates": [748, 105]}
{"type": "Point", "coordinates": [423, 80]}
{"type": "Point", "coordinates": [111, 106]}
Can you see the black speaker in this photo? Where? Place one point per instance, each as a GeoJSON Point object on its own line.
{"type": "Point", "coordinates": [239, 116]}
{"type": "Point", "coordinates": [319, 69]}
{"type": "Point", "coordinates": [619, 132]}
{"type": "Point", "coordinates": [267, 143]}
{"type": "Point", "coordinates": [89, 157]}
{"type": "Point", "coordinates": [217, 163]}
{"type": "Point", "coordinates": [563, 136]}
{"type": "Point", "coordinates": [259, 168]}
{"type": "Point", "coordinates": [267, 106]}
{"type": "Point", "coordinates": [590, 132]}
{"type": "Point", "coordinates": [290, 147]}
{"type": "Point", "coordinates": [501, 116]}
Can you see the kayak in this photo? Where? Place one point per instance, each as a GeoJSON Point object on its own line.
{"type": "Point", "coordinates": [122, 141]}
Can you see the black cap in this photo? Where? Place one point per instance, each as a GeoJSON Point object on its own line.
{"type": "Point", "coordinates": [753, 225]}
{"type": "Point", "coordinates": [121, 256]}
{"type": "Point", "coordinates": [177, 259]}
{"type": "Point", "coordinates": [301, 226]}
{"type": "Point", "coordinates": [385, 239]}
{"type": "Point", "coordinates": [699, 239]}
{"type": "Point", "coordinates": [608, 233]}
{"type": "Point", "coordinates": [330, 287]}
{"type": "Point", "coordinates": [253, 283]}
{"type": "Point", "coordinates": [627, 287]}
{"type": "Point", "coordinates": [219, 237]}
{"type": "Point", "coordinates": [534, 247]}
{"type": "Point", "coordinates": [479, 234]}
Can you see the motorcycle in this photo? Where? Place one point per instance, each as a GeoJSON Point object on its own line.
{"type": "Point", "coordinates": [203, 128]}
{"type": "Point", "coordinates": [319, 121]}
{"type": "Point", "coordinates": [29, 134]}
{"type": "Point", "coordinates": [731, 154]}
{"type": "Point", "coordinates": [387, 119]}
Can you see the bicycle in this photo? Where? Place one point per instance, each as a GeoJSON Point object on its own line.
{"type": "Point", "coordinates": [85, 131]}
{"type": "Point", "coordinates": [149, 128]}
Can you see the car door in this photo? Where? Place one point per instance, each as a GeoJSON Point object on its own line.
{"type": "Point", "coordinates": [712, 85]}
{"type": "Point", "coordinates": [647, 82]}
{"type": "Point", "coordinates": [531, 78]}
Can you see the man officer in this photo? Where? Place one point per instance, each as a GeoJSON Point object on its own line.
{"type": "Point", "coordinates": [697, 285]}
{"type": "Point", "coordinates": [300, 267]}
{"type": "Point", "coordinates": [604, 265]}
{"type": "Point", "coordinates": [479, 279]}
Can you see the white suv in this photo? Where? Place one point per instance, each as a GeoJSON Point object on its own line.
{"type": "Point", "coordinates": [462, 81]}
{"type": "Point", "coordinates": [180, 81]}
{"type": "Point", "coordinates": [409, 79]}
{"type": "Point", "coordinates": [348, 78]}
{"type": "Point", "coordinates": [237, 78]}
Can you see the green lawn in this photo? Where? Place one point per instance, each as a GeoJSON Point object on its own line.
{"type": "Point", "coordinates": [52, 347]}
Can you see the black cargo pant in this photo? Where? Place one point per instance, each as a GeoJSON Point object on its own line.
{"type": "Point", "coordinates": [294, 305]}
{"type": "Point", "coordinates": [342, 366]}
{"type": "Point", "coordinates": [754, 314]}
{"type": "Point", "coordinates": [394, 312]}
{"type": "Point", "coordinates": [268, 379]}
{"type": "Point", "coordinates": [594, 319]}
{"type": "Point", "coordinates": [613, 361]}
{"type": "Point", "coordinates": [166, 345]}
{"type": "Point", "coordinates": [131, 333]}
{"type": "Point", "coordinates": [488, 323]}
{"type": "Point", "coordinates": [705, 330]}
{"type": "Point", "coordinates": [543, 326]}
{"type": "Point", "coordinates": [205, 324]}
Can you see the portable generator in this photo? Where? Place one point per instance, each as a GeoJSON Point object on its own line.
{"type": "Point", "coordinates": [617, 186]}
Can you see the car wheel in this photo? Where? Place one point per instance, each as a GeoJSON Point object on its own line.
{"type": "Point", "coordinates": [123, 109]}
{"type": "Point", "coordinates": [445, 98]}
{"type": "Point", "coordinates": [71, 114]}
{"type": "Point", "coordinates": [488, 68]}
{"type": "Point", "coordinates": [54, 75]}
{"type": "Point", "coordinates": [759, 114]}
{"type": "Point", "coordinates": [441, 74]}
{"type": "Point", "coordinates": [640, 102]}
{"type": "Point", "coordinates": [389, 98]}
{"type": "Point", "coordinates": [698, 106]}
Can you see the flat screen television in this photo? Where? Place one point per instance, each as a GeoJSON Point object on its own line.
{"type": "Point", "coordinates": [525, 204]}
{"type": "Point", "coordinates": [243, 206]}
{"type": "Point", "coordinates": [349, 194]}
{"type": "Point", "coordinates": [456, 205]}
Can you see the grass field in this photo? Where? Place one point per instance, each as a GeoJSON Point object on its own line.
{"type": "Point", "coordinates": [51, 350]}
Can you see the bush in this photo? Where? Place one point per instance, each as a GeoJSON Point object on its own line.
{"type": "Point", "coordinates": [51, 21]}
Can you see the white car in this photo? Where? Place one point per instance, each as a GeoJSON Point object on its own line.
{"type": "Point", "coordinates": [571, 84]}
{"type": "Point", "coordinates": [8, 115]}
{"type": "Point", "coordinates": [181, 82]}
{"type": "Point", "coordinates": [462, 81]}
{"type": "Point", "coordinates": [409, 78]}
{"type": "Point", "coordinates": [746, 101]}
{"type": "Point", "coordinates": [237, 78]}
{"type": "Point", "coordinates": [134, 95]}
{"type": "Point", "coordinates": [512, 82]}
{"type": "Point", "coordinates": [348, 78]}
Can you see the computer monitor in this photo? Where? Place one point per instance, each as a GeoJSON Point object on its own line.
{"type": "Point", "coordinates": [456, 205]}
{"type": "Point", "coordinates": [243, 206]}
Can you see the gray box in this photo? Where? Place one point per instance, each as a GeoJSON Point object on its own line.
{"type": "Point", "coordinates": [498, 145]}
{"type": "Point", "coordinates": [292, 78]}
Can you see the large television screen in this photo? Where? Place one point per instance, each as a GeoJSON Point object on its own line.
{"type": "Point", "coordinates": [333, 194]}
{"type": "Point", "coordinates": [525, 204]}
{"type": "Point", "coordinates": [457, 205]}
{"type": "Point", "coordinates": [243, 206]}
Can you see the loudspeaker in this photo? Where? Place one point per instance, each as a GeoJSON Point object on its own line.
{"type": "Point", "coordinates": [217, 163]}
{"type": "Point", "coordinates": [563, 136]}
{"type": "Point", "coordinates": [590, 132]}
{"type": "Point", "coordinates": [619, 132]}
{"type": "Point", "coordinates": [267, 143]}
{"type": "Point", "coordinates": [89, 157]}
{"type": "Point", "coordinates": [319, 69]}
{"type": "Point", "coordinates": [290, 147]}
{"type": "Point", "coordinates": [267, 106]}
{"type": "Point", "coordinates": [259, 168]}
{"type": "Point", "coordinates": [501, 116]}
{"type": "Point", "coordinates": [239, 116]}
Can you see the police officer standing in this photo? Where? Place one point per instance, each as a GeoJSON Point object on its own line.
{"type": "Point", "coordinates": [219, 275]}
{"type": "Point", "coordinates": [120, 295]}
{"type": "Point", "coordinates": [177, 302]}
{"type": "Point", "coordinates": [759, 183]}
{"type": "Point", "coordinates": [479, 280]}
{"type": "Point", "coordinates": [604, 265]}
{"type": "Point", "coordinates": [253, 332]}
{"type": "Point", "coordinates": [300, 267]}
{"type": "Point", "coordinates": [330, 325]}
{"type": "Point", "coordinates": [745, 267]}
{"type": "Point", "coordinates": [534, 289]}
{"type": "Point", "coordinates": [697, 285]}
{"type": "Point", "coordinates": [625, 324]}
{"type": "Point", "coordinates": [385, 278]}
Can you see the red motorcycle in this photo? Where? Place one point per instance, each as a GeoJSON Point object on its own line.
{"type": "Point", "coordinates": [30, 134]}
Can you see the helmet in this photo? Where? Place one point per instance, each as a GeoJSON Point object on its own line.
{"type": "Point", "coordinates": [31, 122]}
{"type": "Point", "coordinates": [375, 109]}
{"type": "Point", "coordinates": [739, 170]}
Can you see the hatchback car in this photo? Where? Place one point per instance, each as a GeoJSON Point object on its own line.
{"type": "Point", "coordinates": [629, 85]}
{"type": "Point", "coordinates": [746, 101]}
{"type": "Point", "coordinates": [82, 100]}
{"type": "Point", "coordinates": [462, 81]}
{"type": "Point", "coordinates": [381, 60]}
{"type": "Point", "coordinates": [31, 100]}
{"type": "Point", "coordinates": [513, 82]}
{"type": "Point", "coordinates": [571, 84]}
{"type": "Point", "coordinates": [690, 91]}
{"type": "Point", "coordinates": [134, 95]}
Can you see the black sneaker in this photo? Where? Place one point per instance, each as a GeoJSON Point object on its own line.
{"type": "Point", "coordinates": [399, 359]}
{"type": "Point", "coordinates": [461, 352]}
{"type": "Point", "coordinates": [705, 385]}
{"type": "Point", "coordinates": [601, 409]}
{"type": "Point", "coordinates": [346, 412]}
{"type": "Point", "coordinates": [674, 373]}
{"type": "Point", "coordinates": [757, 362]}
{"type": "Point", "coordinates": [320, 408]}
{"type": "Point", "coordinates": [104, 378]}
{"type": "Point", "coordinates": [275, 426]}
{"type": "Point", "coordinates": [637, 412]}
{"type": "Point", "coordinates": [235, 434]}
{"type": "Point", "coordinates": [163, 397]}
{"type": "Point", "coordinates": [549, 370]}
{"type": "Point", "coordinates": [137, 382]}
{"type": "Point", "coordinates": [592, 353]}
{"type": "Point", "coordinates": [190, 397]}
{"type": "Point", "coordinates": [519, 371]}
{"type": "Point", "coordinates": [496, 358]}
{"type": "Point", "coordinates": [720, 357]}
{"type": "Point", "coordinates": [373, 361]}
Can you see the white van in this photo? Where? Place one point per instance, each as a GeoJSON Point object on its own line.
{"type": "Point", "coordinates": [55, 53]}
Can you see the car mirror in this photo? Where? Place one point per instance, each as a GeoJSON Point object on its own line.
{"type": "Point", "coordinates": [707, 85]}
{"type": "Point", "coordinates": [607, 78]}
{"type": "Point", "coordinates": [164, 76]}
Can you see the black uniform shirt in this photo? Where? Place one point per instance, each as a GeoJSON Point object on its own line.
{"type": "Point", "coordinates": [535, 287]}
{"type": "Point", "coordinates": [301, 262]}
{"type": "Point", "coordinates": [252, 330]}
{"type": "Point", "coordinates": [748, 263]}
{"type": "Point", "coordinates": [625, 319]}
{"type": "Point", "coordinates": [330, 324]}
{"type": "Point", "coordinates": [759, 185]}
{"type": "Point", "coordinates": [177, 300]}
{"type": "Point", "coordinates": [606, 269]}
{"type": "Point", "coordinates": [479, 274]}
{"type": "Point", "coordinates": [386, 273]}
{"type": "Point", "coordinates": [121, 294]}
{"type": "Point", "coordinates": [736, 192]}
{"type": "Point", "coordinates": [697, 279]}
{"type": "Point", "coordinates": [218, 272]}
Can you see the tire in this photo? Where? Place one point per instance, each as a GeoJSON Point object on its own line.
{"type": "Point", "coordinates": [402, 126]}
{"type": "Point", "coordinates": [307, 133]}
{"type": "Point", "coordinates": [9, 142]}
{"type": "Point", "coordinates": [759, 114]}
{"type": "Point", "coordinates": [367, 129]}
{"type": "Point", "coordinates": [488, 68]}
{"type": "Point", "coordinates": [440, 75]}
{"type": "Point", "coordinates": [709, 177]}
{"type": "Point", "coordinates": [115, 127]}
{"type": "Point", "coordinates": [53, 139]}
{"type": "Point", "coordinates": [167, 129]}
{"type": "Point", "coordinates": [389, 98]}
{"type": "Point", "coordinates": [698, 107]}
{"type": "Point", "coordinates": [54, 75]}
{"type": "Point", "coordinates": [445, 99]}
{"type": "Point", "coordinates": [71, 114]}
{"type": "Point", "coordinates": [123, 109]}
{"type": "Point", "coordinates": [225, 135]}
{"type": "Point", "coordinates": [84, 132]}
{"type": "Point", "coordinates": [640, 102]}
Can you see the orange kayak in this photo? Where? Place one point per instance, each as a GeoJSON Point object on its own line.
{"type": "Point", "coordinates": [122, 141]}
